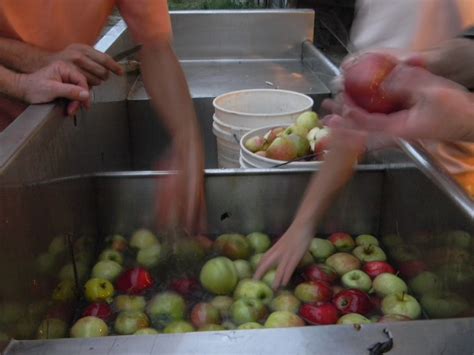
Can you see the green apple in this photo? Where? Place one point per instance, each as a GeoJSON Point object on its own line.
{"type": "Point", "coordinates": [228, 325]}
{"type": "Point", "coordinates": [321, 249]}
{"type": "Point", "coordinates": [46, 263]}
{"type": "Point", "coordinates": [368, 253]}
{"type": "Point", "coordinates": [386, 284]}
{"type": "Point", "coordinates": [211, 328]}
{"type": "Point", "coordinates": [254, 144]}
{"type": "Point", "coordinates": [244, 270]}
{"type": "Point", "coordinates": [10, 312]}
{"type": "Point", "coordinates": [308, 120]}
{"type": "Point", "coordinates": [366, 239]}
{"type": "Point", "coordinates": [425, 282]}
{"type": "Point", "coordinates": [89, 327]}
{"type": "Point", "coordinates": [129, 322]}
{"type": "Point", "coordinates": [357, 279]}
{"type": "Point", "coordinates": [305, 261]}
{"type": "Point", "coordinates": [58, 245]}
{"type": "Point", "coordinates": [283, 319]}
{"type": "Point", "coordinates": [457, 238]}
{"type": "Point", "coordinates": [113, 255]}
{"type": "Point", "coordinates": [143, 238]}
{"type": "Point", "coordinates": [402, 304]}
{"type": "Point", "coordinates": [353, 318]}
{"type": "Point", "coordinates": [392, 240]}
{"type": "Point", "coordinates": [219, 276]}
{"type": "Point", "coordinates": [98, 290]}
{"type": "Point", "coordinates": [166, 307]}
{"type": "Point", "coordinates": [107, 269]}
{"type": "Point", "coordinates": [298, 130]}
{"type": "Point", "coordinates": [179, 326]}
{"type": "Point", "coordinates": [149, 257]}
{"type": "Point", "coordinates": [285, 302]}
{"type": "Point", "coordinates": [456, 275]}
{"type": "Point", "coordinates": [130, 303]}
{"type": "Point", "coordinates": [301, 144]}
{"type": "Point", "coordinates": [146, 331]}
{"type": "Point", "coordinates": [65, 291]}
{"type": "Point", "coordinates": [233, 246]}
{"type": "Point", "coordinates": [246, 310]}
{"type": "Point", "coordinates": [343, 262]}
{"type": "Point", "coordinates": [443, 305]}
{"type": "Point", "coordinates": [67, 272]}
{"type": "Point", "coordinates": [52, 328]}
{"type": "Point", "coordinates": [255, 289]}
{"type": "Point", "coordinates": [259, 242]}
{"type": "Point", "coordinates": [255, 260]}
{"type": "Point", "coordinates": [250, 325]}
{"type": "Point", "coordinates": [269, 277]}
{"type": "Point", "coordinates": [405, 252]}
{"type": "Point", "coordinates": [222, 303]}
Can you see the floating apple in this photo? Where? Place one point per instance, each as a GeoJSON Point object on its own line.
{"type": "Point", "coordinates": [58, 246]}
{"type": "Point", "coordinates": [343, 262]}
{"type": "Point", "coordinates": [219, 276]}
{"type": "Point", "coordinates": [150, 256]}
{"type": "Point", "coordinates": [285, 302]}
{"type": "Point", "coordinates": [457, 238]}
{"type": "Point", "coordinates": [89, 327]}
{"type": "Point", "coordinates": [425, 282]}
{"type": "Point", "coordinates": [255, 260]}
{"type": "Point", "coordinates": [259, 242]}
{"type": "Point", "coordinates": [392, 240]}
{"type": "Point", "coordinates": [320, 272]}
{"type": "Point", "coordinates": [143, 238]}
{"type": "Point", "coordinates": [352, 301]}
{"type": "Point", "coordinates": [366, 239]}
{"type": "Point", "coordinates": [282, 319]}
{"type": "Point", "coordinates": [456, 275]}
{"type": "Point", "coordinates": [255, 144]}
{"type": "Point", "coordinates": [250, 325]}
{"type": "Point", "coordinates": [402, 304]}
{"type": "Point", "coordinates": [342, 241]}
{"type": "Point", "coordinates": [357, 279]}
{"type": "Point", "coordinates": [117, 242]}
{"type": "Point", "coordinates": [179, 326]}
{"type": "Point", "coordinates": [269, 278]}
{"type": "Point", "coordinates": [146, 331]}
{"type": "Point", "coordinates": [246, 310]}
{"type": "Point", "coordinates": [130, 303]}
{"type": "Point", "coordinates": [222, 303]}
{"type": "Point", "coordinates": [255, 289]}
{"type": "Point", "coordinates": [204, 314]}
{"type": "Point", "coordinates": [375, 268]}
{"type": "Point", "coordinates": [211, 328]}
{"type": "Point", "coordinates": [65, 291]}
{"type": "Point", "coordinates": [233, 246]}
{"type": "Point", "coordinates": [52, 328]}
{"type": "Point", "coordinates": [444, 305]}
{"type": "Point", "coordinates": [98, 290]}
{"type": "Point", "coordinates": [411, 268]}
{"type": "Point", "coordinates": [319, 314]}
{"type": "Point", "coordinates": [69, 272]}
{"type": "Point", "coordinates": [321, 249]}
{"type": "Point", "coordinates": [165, 308]}
{"type": "Point", "coordinates": [46, 263]}
{"type": "Point", "coordinates": [106, 269]}
{"type": "Point", "coordinates": [186, 287]}
{"type": "Point", "coordinates": [113, 255]}
{"type": "Point", "coordinates": [282, 148]}
{"type": "Point", "coordinates": [308, 120]}
{"type": "Point", "coordinates": [129, 322]}
{"type": "Point", "coordinates": [244, 269]}
{"type": "Point", "coordinates": [367, 253]}
{"type": "Point", "coordinates": [405, 252]}
{"type": "Point", "coordinates": [387, 284]}
{"type": "Point", "coordinates": [205, 243]}
{"type": "Point", "coordinates": [134, 281]}
{"type": "Point", "coordinates": [313, 291]}
{"type": "Point", "coordinates": [99, 310]}
{"type": "Point", "coordinates": [353, 318]}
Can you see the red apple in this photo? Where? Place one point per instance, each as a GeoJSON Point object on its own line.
{"type": "Point", "coordinates": [375, 268]}
{"type": "Point", "coordinates": [364, 82]}
{"type": "Point", "coordinates": [205, 242]}
{"type": "Point", "coordinates": [204, 314]}
{"type": "Point", "coordinates": [320, 272]}
{"type": "Point", "coordinates": [135, 281]}
{"type": "Point", "coordinates": [233, 246]}
{"type": "Point", "coordinates": [352, 301]}
{"type": "Point", "coordinates": [313, 291]}
{"type": "Point", "coordinates": [185, 286]}
{"type": "Point", "coordinates": [342, 241]}
{"type": "Point", "coordinates": [318, 314]}
{"type": "Point", "coordinates": [343, 262]}
{"type": "Point", "coordinates": [99, 310]}
{"type": "Point", "coordinates": [412, 268]}
{"type": "Point", "coordinates": [376, 301]}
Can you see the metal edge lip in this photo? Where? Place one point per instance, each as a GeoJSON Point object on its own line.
{"type": "Point", "coordinates": [242, 12]}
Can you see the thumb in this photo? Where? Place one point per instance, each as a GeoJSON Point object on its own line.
{"type": "Point", "coordinates": [70, 91]}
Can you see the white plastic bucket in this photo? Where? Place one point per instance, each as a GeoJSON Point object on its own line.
{"type": "Point", "coordinates": [238, 112]}
{"type": "Point", "coordinates": [248, 158]}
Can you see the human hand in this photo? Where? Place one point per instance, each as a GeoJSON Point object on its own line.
{"type": "Point", "coordinates": [93, 64]}
{"type": "Point", "coordinates": [57, 80]}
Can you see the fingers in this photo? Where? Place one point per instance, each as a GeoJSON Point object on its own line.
{"type": "Point", "coordinates": [73, 107]}
{"type": "Point", "coordinates": [69, 91]}
{"type": "Point", "coordinates": [268, 261]}
{"type": "Point", "coordinates": [280, 273]}
{"type": "Point", "coordinates": [96, 71]}
{"type": "Point", "coordinates": [105, 61]}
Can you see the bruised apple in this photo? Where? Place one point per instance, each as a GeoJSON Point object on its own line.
{"type": "Point", "coordinates": [364, 82]}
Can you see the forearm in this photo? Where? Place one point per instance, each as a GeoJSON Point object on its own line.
{"type": "Point", "coordinates": [10, 83]}
{"type": "Point", "coordinates": [22, 57]}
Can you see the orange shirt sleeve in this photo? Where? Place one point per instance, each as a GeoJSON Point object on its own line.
{"type": "Point", "coordinates": [147, 20]}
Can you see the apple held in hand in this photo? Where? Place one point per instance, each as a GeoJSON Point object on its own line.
{"type": "Point", "coordinates": [130, 303]}
{"type": "Point", "coordinates": [343, 262]}
{"type": "Point", "coordinates": [283, 149]}
{"type": "Point", "coordinates": [143, 238]}
{"type": "Point", "coordinates": [165, 308]}
{"type": "Point", "coordinates": [319, 314]}
{"type": "Point", "coordinates": [353, 318]}
{"type": "Point", "coordinates": [387, 284]}
{"type": "Point", "coordinates": [367, 253]}
{"type": "Point", "coordinates": [366, 239]}
{"type": "Point", "coordinates": [89, 327]}
{"type": "Point", "coordinates": [233, 246]}
{"type": "Point", "coordinates": [246, 310]}
{"type": "Point", "coordinates": [308, 120]}
{"type": "Point", "coordinates": [254, 289]}
{"type": "Point", "coordinates": [364, 82]}
{"type": "Point", "coordinates": [320, 272]}
{"type": "Point", "coordinates": [259, 242]}
{"type": "Point", "coordinates": [342, 241]}
{"type": "Point", "coordinates": [375, 268]}
{"type": "Point", "coordinates": [222, 303]}
{"type": "Point", "coordinates": [357, 279]}
{"type": "Point", "coordinates": [282, 319]}
{"type": "Point", "coordinates": [106, 269]}
{"type": "Point", "coordinates": [321, 249]}
{"type": "Point", "coordinates": [402, 304]}
{"type": "Point", "coordinates": [285, 302]}
{"type": "Point", "coordinates": [219, 276]}
{"type": "Point", "coordinates": [352, 301]}
{"type": "Point", "coordinates": [250, 325]}
{"type": "Point", "coordinates": [135, 281]}
{"type": "Point", "coordinates": [51, 328]}
{"type": "Point", "coordinates": [98, 290]}
{"type": "Point", "coordinates": [313, 291]}
{"type": "Point", "coordinates": [179, 326]}
{"type": "Point", "coordinates": [186, 287]}
{"type": "Point", "coordinates": [254, 144]}
{"type": "Point", "coordinates": [129, 322]}
{"type": "Point", "coordinates": [204, 314]}
{"type": "Point", "coordinates": [99, 310]}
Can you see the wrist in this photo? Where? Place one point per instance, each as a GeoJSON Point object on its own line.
{"type": "Point", "coordinates": [12, 83]}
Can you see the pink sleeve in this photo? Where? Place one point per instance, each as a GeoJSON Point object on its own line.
{"type": "Point", "coordinates": [148, 20]}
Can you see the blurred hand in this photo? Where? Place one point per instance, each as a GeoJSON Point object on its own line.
{"type": "Point", "coordinates": [93, 64]}
{"type": "Point", "coordinates": [57, 80]}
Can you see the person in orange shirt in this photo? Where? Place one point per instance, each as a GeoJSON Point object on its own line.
{"type": "Point", "coordinates": [35, 33]}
